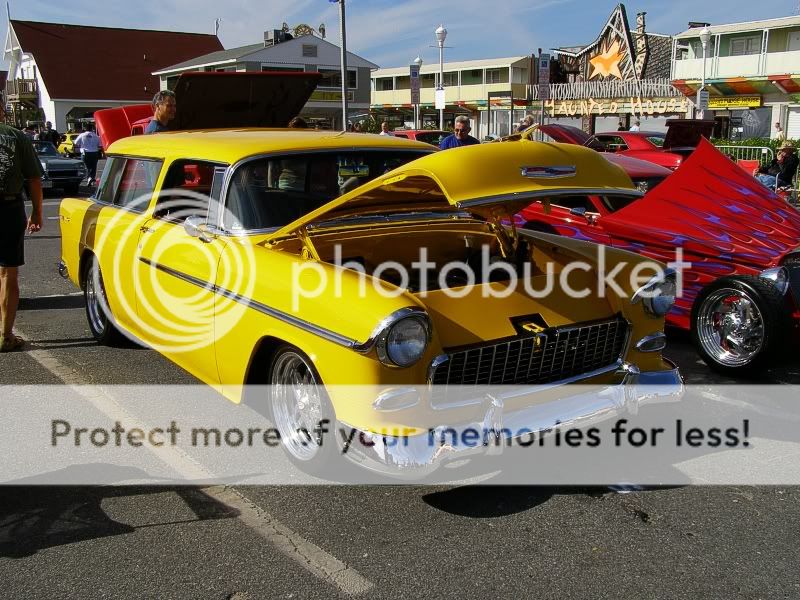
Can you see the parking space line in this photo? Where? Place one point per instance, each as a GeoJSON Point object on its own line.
{"type": "Point", "coordinates": [289, 543]}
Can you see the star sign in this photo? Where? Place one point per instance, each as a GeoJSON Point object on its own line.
{"type": "Point", "coordinates": [607, 63]}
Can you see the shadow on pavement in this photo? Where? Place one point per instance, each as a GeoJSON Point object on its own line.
{"type": "Point", "coordinates": [51, 303]}
{"type": "Point", "coordinates": [33, 518]}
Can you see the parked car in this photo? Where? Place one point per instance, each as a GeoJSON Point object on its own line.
{"type": "Point", "coordinates": [59, 172]}
{"type": "Point", "coordinates": [741, 293]}
{"type": "Point", "coordinates": [429, 136]}
{"type": "Point", "coordinates": [211, 282]}
{"type": "Point", "coordinates": [67, 146]}
{"type": "Point", "coordinates": [666, 149]}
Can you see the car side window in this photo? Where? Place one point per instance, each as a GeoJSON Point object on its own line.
{"type": "Point", "coordinates": [614, 143]}
{"type": "Point", "coordinates": [186, 190]}
{"type": "Point", "coordinates": [109, 182]}
{"type": "Point", "coordinates": [137, 184]}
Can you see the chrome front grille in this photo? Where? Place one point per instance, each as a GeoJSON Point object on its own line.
{"type": "Point", "coordinates": [553, 355]}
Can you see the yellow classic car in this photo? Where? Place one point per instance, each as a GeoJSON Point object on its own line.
{"type": "Point", "coordinates": [67, 145]}
{"type": "Point", "coordinates": [310, 260]}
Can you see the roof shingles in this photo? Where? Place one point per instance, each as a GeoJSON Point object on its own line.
{"type": "Point", "coordinates": [118, 65]}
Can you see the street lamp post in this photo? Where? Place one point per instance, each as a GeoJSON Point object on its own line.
{"type": "Point", "coordinates": [441, 34]}
{"type": "Point", "coordinates": [417, 115]}
{"type": "Point", "coordinates": [705, 36]}
{"type": "Point", "coordinates": [344, 62]}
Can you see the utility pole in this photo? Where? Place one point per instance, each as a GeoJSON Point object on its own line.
{"type": "Point", "coordinates": [344, 62]}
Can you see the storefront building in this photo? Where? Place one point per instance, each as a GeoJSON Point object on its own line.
{"type": "Point", "coordinates": [299, 49]}
{"type": "Point", "coordinates": [621, 77]}
{"type": "Point", "coordinates": [483, 90]}
{"type": "Point", "coordinates": [752, 73]}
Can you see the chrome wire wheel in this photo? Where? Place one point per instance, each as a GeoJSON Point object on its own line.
{"type": "Point", "coordinates": [297, 405]}
{"type": "Point", "coordinates": [95, 300]}
{"type": "Point", "coordinates": [730, 327]}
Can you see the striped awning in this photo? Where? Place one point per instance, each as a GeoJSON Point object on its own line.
{"type": "Point", "coordinates": [789, 84]}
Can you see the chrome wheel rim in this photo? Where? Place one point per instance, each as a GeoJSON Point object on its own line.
{"type": "Point", "coordinates": [731, 327]}
{"type": "Point", "coordinates": [95, 300]}
{"type": "Point", "coordinates": [296, 405]}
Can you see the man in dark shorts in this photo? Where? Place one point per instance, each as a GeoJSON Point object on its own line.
{"type": "Point", "coordinates": [18, 165]}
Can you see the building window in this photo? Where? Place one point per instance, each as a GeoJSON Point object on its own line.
{"type": "Point", "coordinates": [309, 50]}
{"type": "Point", "coordinates": [451, 79]}
{"type": "Point", "coordinates": [332, 78]}
{"type": "Point", "coordinates": [492, 75]}
{"type": "Point", "coordinates": [742, 46]}
{"type": "Point", "coordinates": [384, 84]}
{"type": "Point", "coordinates": [428, 80]}
{"type": "Point", "coordinates": [472, 77]}
{"type": "Point", "coordinates": [225, 69]}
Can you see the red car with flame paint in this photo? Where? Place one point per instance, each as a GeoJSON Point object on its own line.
{"type": "Point", "coordinates": [741, 292]}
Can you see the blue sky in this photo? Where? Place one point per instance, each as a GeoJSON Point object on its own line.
{"type": "Point", "coordinates": [392, 32]}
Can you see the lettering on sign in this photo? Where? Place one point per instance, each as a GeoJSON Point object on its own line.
{"type": "Point", "coordinates": [634, 106]}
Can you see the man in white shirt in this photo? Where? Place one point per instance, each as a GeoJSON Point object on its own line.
{"type": "Point", "coordinates": [89, 144]}
{"type": "Point", "coordinates": [636, 125]}
{"type": "Point", "coordinates": [385, 129]}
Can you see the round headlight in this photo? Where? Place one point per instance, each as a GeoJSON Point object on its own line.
{"type": "Point", "coordinates": [405, 342]}
{"type": "Point", "coordinates": [658, 296]}
{"type": "Point", "coordinates": [779, 277]}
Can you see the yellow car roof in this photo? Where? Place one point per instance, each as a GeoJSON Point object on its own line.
{"type": "Point", "coordinates": [232, 145]}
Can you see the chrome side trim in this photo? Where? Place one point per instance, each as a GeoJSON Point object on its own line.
{"type": "Point", "coordinates": [327, 334]}
{"type": "Point", "coordinates": [550, 194]}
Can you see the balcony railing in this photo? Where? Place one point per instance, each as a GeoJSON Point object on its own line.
{"type": "Point", "coordinates": [748, 65]}
{"type": "Point", "coordinates": [22, 89]}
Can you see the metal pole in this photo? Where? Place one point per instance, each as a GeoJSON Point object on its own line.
{"type": "Point", "coordinates": [344, 64]}
{"type": "Point", "coordinates": [441, 82]}
{"type": "Point", "coordinates": [703, 85]}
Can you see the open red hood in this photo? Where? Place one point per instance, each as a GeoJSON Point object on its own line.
{"type": "Point", "coordinates": [713, 208]}
{"type": "Point", "coordinates": [220, 100]}
{"type": "Point", "coordinates": [687, 133]}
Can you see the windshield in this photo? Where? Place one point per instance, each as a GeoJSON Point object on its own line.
{"type": "Point", "coordinates": [268, 193]}
{"type": "Point", "coordinates": [45, 148]}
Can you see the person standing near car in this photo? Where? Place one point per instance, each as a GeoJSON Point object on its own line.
{"type": "Point", "coordinates": [164, 109]}
{"type": "Point", "coordinates": [89, 144]}
{"type": "Point", "coordinates": [50, 135]}
{"type": "Point", "coordinates": [18, 165]}
{"type": "Point", "coordinates": [460, 135]}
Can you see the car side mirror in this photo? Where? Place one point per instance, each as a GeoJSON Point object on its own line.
{"type": "Point", "coordinates": [196, 227]}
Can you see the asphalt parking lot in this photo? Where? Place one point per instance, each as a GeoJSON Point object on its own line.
{"type": "Point", "coordinates": [335, 541]}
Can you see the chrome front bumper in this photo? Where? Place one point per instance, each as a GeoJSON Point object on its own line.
{"type": "Point", "coordinates": [419, 454]}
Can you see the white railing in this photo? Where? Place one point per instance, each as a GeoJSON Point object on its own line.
{"type": "Point", "coordinates": [582, 90]}
{"type": "Point", "coordinates": [762, 154]}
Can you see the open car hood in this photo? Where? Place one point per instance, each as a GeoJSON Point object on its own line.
{"type": "Point", "coordinates": [715, 209]}
{"type": "Point", "coordinates": [220, 100]}
{"type": "Point", "coordinates": [115, 123]}
{"type": "Point", "coordinates": [487, 180]}
{"type": "Point", "coordinates": [687, 133]}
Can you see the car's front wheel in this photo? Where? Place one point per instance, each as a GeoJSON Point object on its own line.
{"type": "Point", "coordinates": [737, 324]}
{"type": "Point", "coordinates": [301, 411]}
{"type": "Point", "coordinates": [98, 313]}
